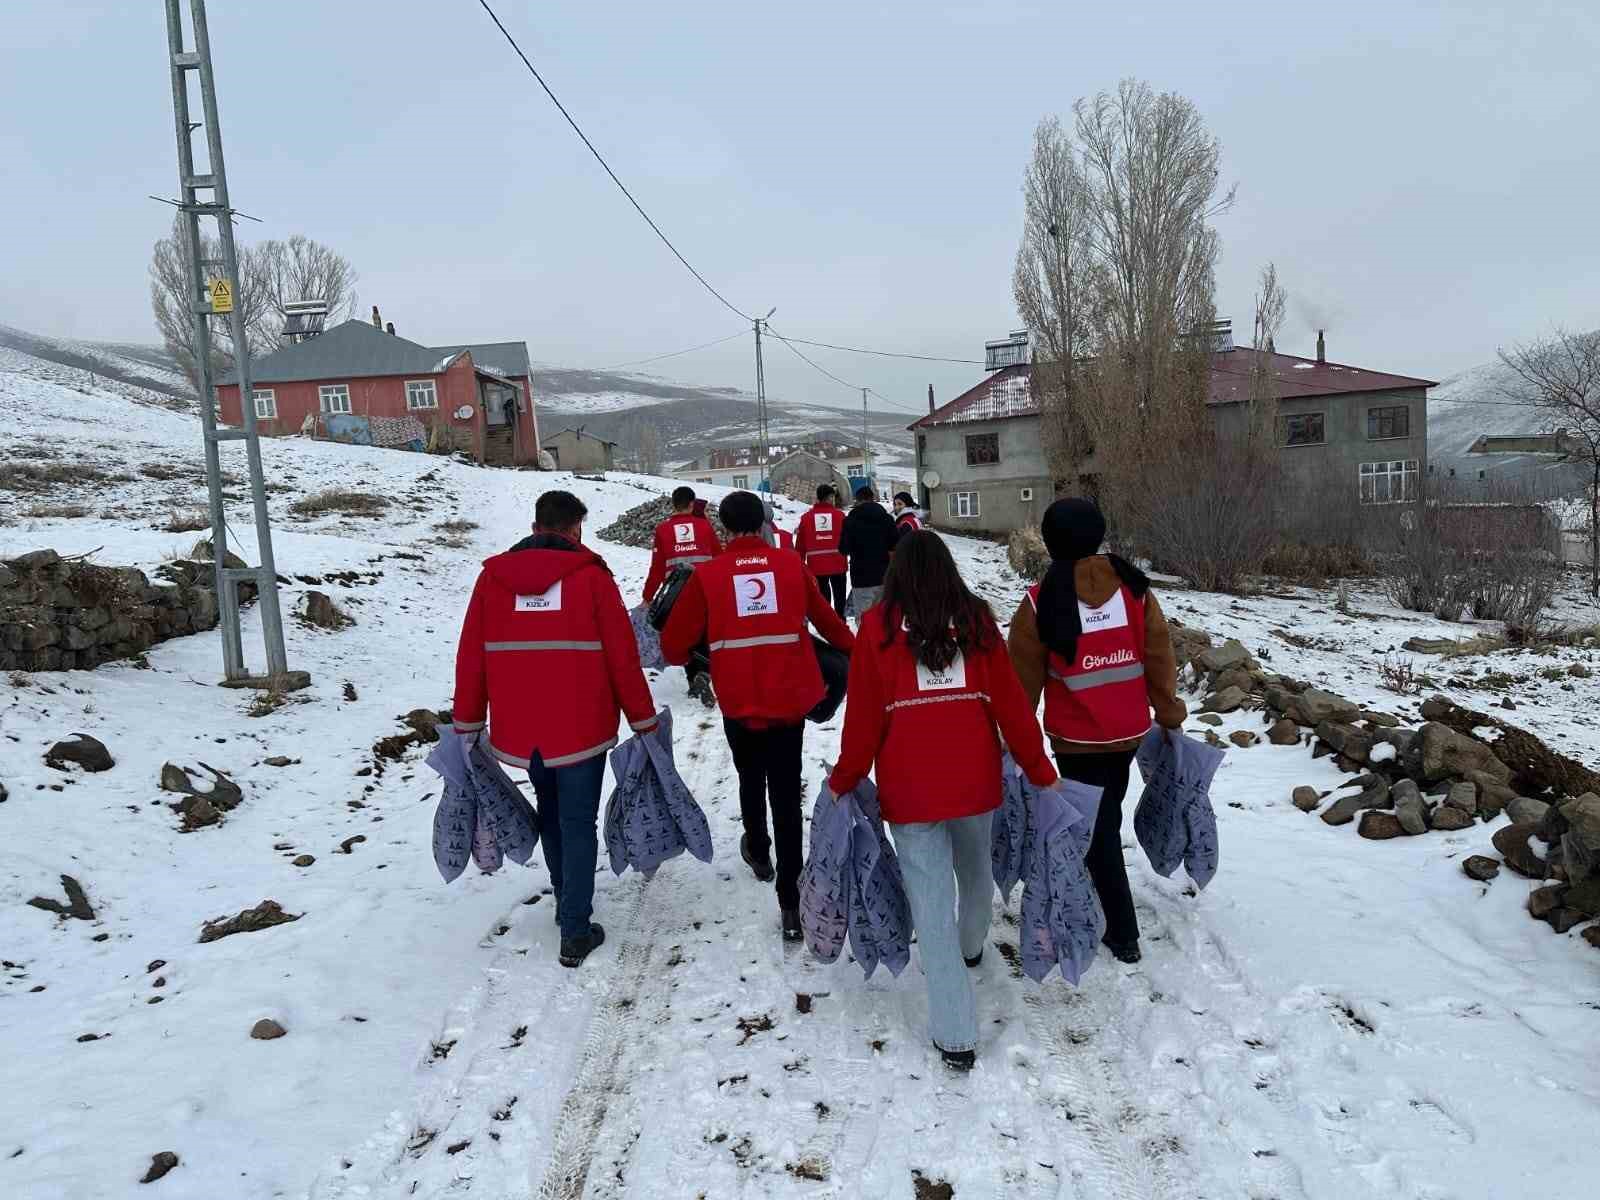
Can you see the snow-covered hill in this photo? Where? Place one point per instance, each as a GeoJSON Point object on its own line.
{"type": "Point", "coordinates": [1332, 1019]}
{"type": "Point", "coordinates": [137, 372]}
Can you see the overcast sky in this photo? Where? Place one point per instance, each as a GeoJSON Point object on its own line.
{"type": "Point", "coordinates": [1425, 175]}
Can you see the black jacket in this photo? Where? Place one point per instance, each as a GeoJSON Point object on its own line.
{"type": "Point", "coordinates": [868, 540]}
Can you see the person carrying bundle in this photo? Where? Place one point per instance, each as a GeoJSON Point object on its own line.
{"type": "Point", "coordinates": [930, 673]}
{"type": "Point", "coordinates": [685, 539]}
{"type": "Point", "coordinates": [817, 540]}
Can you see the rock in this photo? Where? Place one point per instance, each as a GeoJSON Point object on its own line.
{"type": "Point", "coordinates": [278, 760]}
{"type": "Point", "coordinates": [1243, 738]}
{"type": "Point", "coordinates": [1523, 754]}
{"type": "Point", "coordinates": [1379, 826]}
{"type": "Point", "coordinates": [1284, 732]}
{"type": "Point", "coordinates": [1583, 820]}
{"type": "Point", "coordinates": [1512, 842]}
{"type": "Point", "coordinates": [1355, 744]}
{"type": "Point", "coordinates": [1306, 799]}
{"type": "Point", "coordinates": [1480, 867]}
{"type": "Point", "coordinates": [322, 612]}
{"type": "Point", "coordinates": [1463, 795]}
{"type": "Point", "coordinates": [1563, 919]}
{"type": "Point", "coordinates": [175, 779]}
{"type": "Point", "coordinates": [1579, 671]}
{"type": "Point", "coordinates": [266, 1029]}
{"type": "Point", "coordinates": [1187, 642]}
{"type": "Point", "coordinates": [1221, 658]}
{"type": "Point", "coordinates": [1592, 935]}
{"type": "Point", "coordinates": [304, 860]}
{"type": "Point", "coordinates": [160, 1164]}
{"type": "Point", "coordinates": [1584, 897]}
{"type": "Point", "coordinates": [1409, 808]}
{"type": "Point", "coordinates": [1493, 794]}
{"type": "Point", "coordinates": [1314, 706]}
{"type": "Point", "coordinates": [1579, 861]}
{"type": "Point", "coordinates": [198, 813]}
{"type": "Point", "coordinates": [1544, 901]}
{"type": "Point", "coordinates": [263, 916]}
{"type": "Point", "coordinates": [349, 843]}
{"type": "Point", "coordinates": [1213, 740]}
{"type": "Point", "coordinates": [77, 905]}
{"type": "Point", "coordinates": [1446, 753]}
{"type": "Point", "coordinates": [1524, 810]}
{"type": "Point", "coordinates": [1233, 677]}
{"type": "Point", "coordinates": [1451, 819]}
{"type": "Point", "coordinates": [1225, 701]}
{"type": "Point", "coordinates": [1209, 719]}
{"type": "Point", "coordinates": [1374, 794]}
{"type": "Point", "coordinates": [87, 752]}
{"type": "Point", "coordinates": [1380, 720]}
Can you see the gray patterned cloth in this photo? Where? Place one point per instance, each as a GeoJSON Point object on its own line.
{"type": "Point", "coordinates": [1061, 919]}
{"type": "Point", "coordinates": [1175, 822]}
{"type": "Point", "coordinates": [651, 815]}
{"type": "Point", "coordinates": [644, 633]}
{"type": "Point", "coordinates": [1010, 828]}
{"type": "Point", "coordinates": [851, 886]}
{"type": "Point", "coordinates": [481, 814]}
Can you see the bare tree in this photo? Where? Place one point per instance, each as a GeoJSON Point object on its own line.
{"type": "Point", "coordinates": [1049, 284]}
{"type": "Point", "coordinates": [650, 449]}
{"type": "Point", "coordinates": [1271, 302]}
{"type": "Point", "coordinates": [1560, 378]}
{"type": "Point", "coordinates": [302, 269]}
{"type": "Point", "coordinates": [174, 306]}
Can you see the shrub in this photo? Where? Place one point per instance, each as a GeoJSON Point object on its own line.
{"type": "Point", "coordinates": [179, 521]}
{"type": "Point", "coordinates": [336, 500]}
{"type": "Point", "coordinates": [1026, 552]}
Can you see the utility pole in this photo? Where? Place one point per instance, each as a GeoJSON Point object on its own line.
{"type": "Point", "coordinates": [762, 448]}
{"type": "Point", "coordinates": [866, 455]}
{"type": "Point", "coordinates": [222, 297]}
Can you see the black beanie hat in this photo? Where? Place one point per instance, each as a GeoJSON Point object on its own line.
{"type": "Point", "coordinates": [741, 512]}
{"type": "Point", "coordinates": [1073, 529]}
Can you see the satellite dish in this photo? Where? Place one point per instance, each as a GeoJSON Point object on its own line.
{"type": "Point", "coordinates": [464, 413]}
{"type": "Point", "coordinates": [930, 479]}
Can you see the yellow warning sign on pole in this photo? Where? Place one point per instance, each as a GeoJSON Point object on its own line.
{"type": "Point", "coordinates": [221, 296]}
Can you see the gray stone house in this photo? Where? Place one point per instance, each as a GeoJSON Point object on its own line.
{"type": "Point", "coordinates": [575, 450]}
{"type": "Point", "coordinates": [1346, 434]}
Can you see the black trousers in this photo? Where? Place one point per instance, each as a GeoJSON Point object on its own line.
{"type": "Point", "coordinates": [768, 762]}
{"type": "Point", "coordinates": [838, 586]}
{"type": "Point", "coordinates": [1107, 770]}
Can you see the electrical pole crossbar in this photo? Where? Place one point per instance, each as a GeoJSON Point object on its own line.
{"type": "Point", "coordinates": [213, 288]}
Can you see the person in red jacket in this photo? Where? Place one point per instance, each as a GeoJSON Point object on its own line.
{"type": "Point", "coordinates": [932, 691]}
{"type": "Point", "coordinates": [817, 540]}
{"type": "Point", "coordinates": [547, 660]}
{"type": "Point", "coordinates": [685, 539]}
{"type": "Point", "coordinates": [781, 538]}
{"type": "Point", "coordinates": [907, 520]}
{"type": "Point", "coordinates": [751, 604]}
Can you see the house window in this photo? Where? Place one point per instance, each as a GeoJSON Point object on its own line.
{"type": "Point", "coordinates": [1027, 493]}
{"type": "Point", "coordinates": [1388, 482]}
{"type": "Point", "coordinates": [335, 397]}
{"type": "Point", "coordinates": [420, 393]}
{"type": "Point", "coordinates": [1392, 422]}
{"type": "Point", "coordinates": [983, 449]}
{"type": "Point", "coordinates": [1304, 429]}
{"type": "Point", "coordinates": [741, 481]}
{"type": "Point", "coordinates": [266, 403]}
{"type": "Point", "coordinates": [964, 504]}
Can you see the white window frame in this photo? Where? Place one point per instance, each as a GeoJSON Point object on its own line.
{"type": "Point", "coordinates": [964, 506]}
{"type": "Point", "coordinates": [328, 396]}
{"type": "Point", "coordinates": [1027, 494]}
{"type": "Point", "coordinates": [415, 405]}
{"type": "Point", "coordinates": [266, 402]}
{"type": "Point", "coordinates": [1376, 482]}
{"type": "Point", "coordinates": [741, 481]}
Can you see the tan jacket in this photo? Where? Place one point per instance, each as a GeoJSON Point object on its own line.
{"type": "Point", "coordinates": [1095, 581]}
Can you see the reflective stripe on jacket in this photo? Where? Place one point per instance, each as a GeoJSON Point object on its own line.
{"type": "Point", "coordinates": [1100, 697]}
{"type": "Point", "coordinates": [817, 539]}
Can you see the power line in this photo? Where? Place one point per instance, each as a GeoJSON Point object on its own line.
{"type": "Point", "coordinates": [973, 362]}
{"type": "Point", "coordinates": [639, 362]}
{"type": "Point", "coordinates": [824, 370]}
{"type": "Point", "coordinates": [607, 166]}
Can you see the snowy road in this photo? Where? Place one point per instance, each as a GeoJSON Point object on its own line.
{"type": "Point", "coordinates": [1333, 1019]}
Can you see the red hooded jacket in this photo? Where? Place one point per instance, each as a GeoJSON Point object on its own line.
{"type": "Point", "coordinates": [548, 659]}
{"type": "Point", "coordinates": [683, 539]}
{"type": "Point", "coordinates": [817, 539]}
{"type": "Point", "coordinates": [751, 604]}
{"type": "Point", "coordinates": [935, 737]}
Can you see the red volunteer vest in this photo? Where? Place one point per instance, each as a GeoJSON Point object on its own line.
{"type": "Point", "coordinates": [685, 541]}
{"type": "Point", "coordinates": [761, 657]}
{"type": "Point", "coordinates": [1100, 696]}
{"type": "Point", "coordinates": [820, 528]}
{"type": "Point", "coordinates": [911, 520]}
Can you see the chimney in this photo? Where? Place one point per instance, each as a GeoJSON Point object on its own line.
{"type": "Point", "coordinates": [1322, 348]}
{"type": "Point", "coordinates": [930, 397]}
{"type": "Point", "coordinates": [377, 321]}
{"type": "Point", "coordinates": [389, 328]}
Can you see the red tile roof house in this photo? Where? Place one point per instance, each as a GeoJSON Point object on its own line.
{"type": "Point", "coordinates": [474, 398]}
{"type": "Point", "coordinates": [1344, 432]}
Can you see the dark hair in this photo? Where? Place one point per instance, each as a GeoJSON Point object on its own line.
{"type": "Point", "coordinates": [825, 493]}
{"type": "Point", "coordinates": [905, 498]}
{"type": "Point", "coordinates": [557, 511]}
{"type": "Point", "coordinates": [925, 592]}
{"type": "Point", "coordinates": [864, 493]}
{"type": "Point", "coordinates": [682, 497]}
{"type": "Point", "coordinates": [741, 512]}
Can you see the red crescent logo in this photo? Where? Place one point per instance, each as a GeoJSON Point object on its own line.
{"type": "Point", "coordinates": [760, 588]}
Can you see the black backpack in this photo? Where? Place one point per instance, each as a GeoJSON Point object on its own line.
{"type": "Point", "coordinates": [667, 595]}
{"type": "Point", "coordinates": [835, 666]}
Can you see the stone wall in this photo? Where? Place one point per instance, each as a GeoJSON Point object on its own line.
{"type": "Point", "coordinates": [60, 615]}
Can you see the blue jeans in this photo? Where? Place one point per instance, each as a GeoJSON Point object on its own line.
{"type": "Point", "coordinates": [949, 881]}
{"type": "Point", "coordinates": [569, 805]}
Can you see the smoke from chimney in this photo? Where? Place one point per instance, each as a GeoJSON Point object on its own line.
{"type": "Point", "coordinates": [377, 321]}
{"type": "Point", "coordinates": [1322, 348]}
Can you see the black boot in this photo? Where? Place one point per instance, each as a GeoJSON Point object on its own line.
{"type": "Point", "coordinates": [975, 959]}
{"type": "Point", "coordinates": [1127, 952]}
{"type": "Point", "coordinates": [791, 925]}
{"type": "Point", "coordinates": [957, 1060]}
{"type": "Point", "coordinates": [575, 950]}
{"type": "Point", "coordinates": [762, 867]}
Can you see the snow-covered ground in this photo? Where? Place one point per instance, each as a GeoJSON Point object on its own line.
{"type": "Point", "coordinates": [1331, 1019]}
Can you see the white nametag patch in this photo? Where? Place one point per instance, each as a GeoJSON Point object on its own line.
{"type": "Point", "coordinates": [952, 677]}
{"type": "Point", "coordinates": [755, 595]}
{"type": "Point", "coordinates": [549, 601]}
{"type": "Point", "coordinates": [825, 522]}
{"type": "Point", "coordinates": [683, 533]}
{"type": "Point", "coordinates": [1113, 614]}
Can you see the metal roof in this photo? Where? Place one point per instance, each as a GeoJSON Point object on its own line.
{"type": "Point", "coordinates": [359, 350]}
